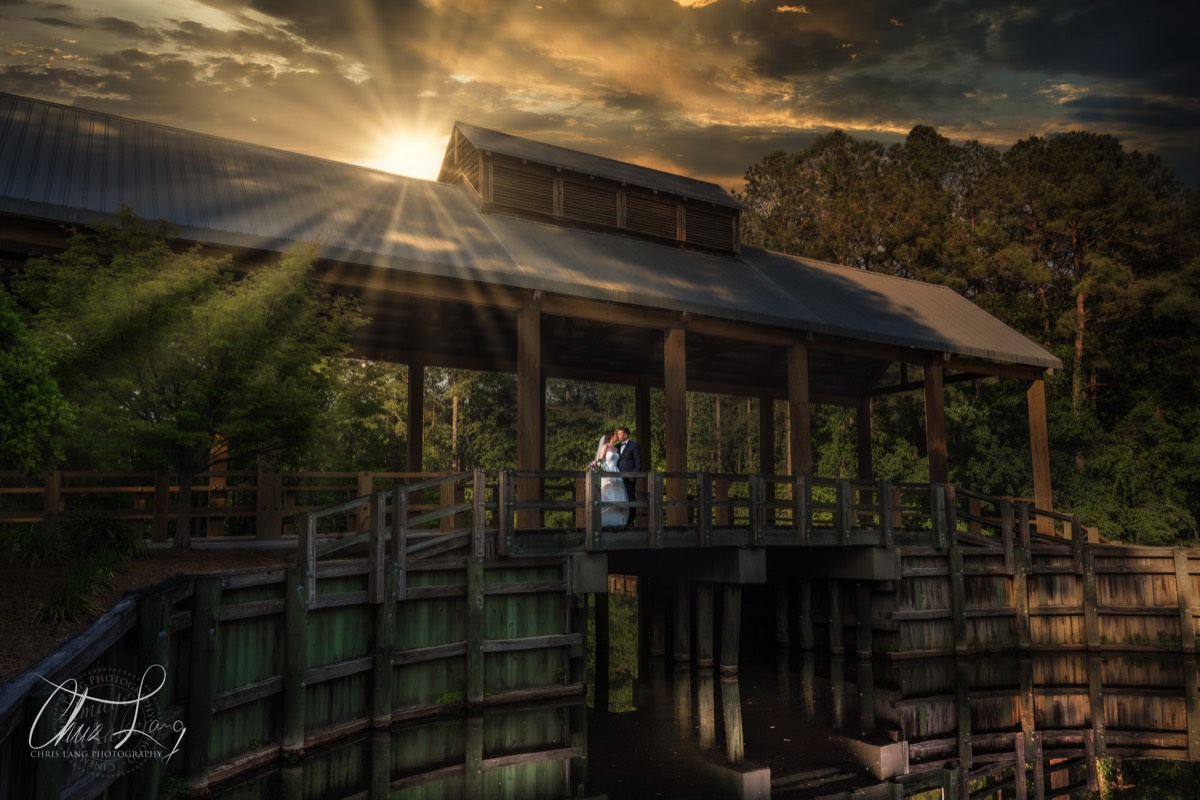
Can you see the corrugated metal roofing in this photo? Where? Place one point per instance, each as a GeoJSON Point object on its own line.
{"type": "Point", "coordinates": [599, 166]}
{"type": "Point", "coordinates": [69, 165]}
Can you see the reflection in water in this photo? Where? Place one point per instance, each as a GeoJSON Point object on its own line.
{"type": "Point", "coordinates": [797, 725]}
{"type": "Point", "coordinates": [821, 726]}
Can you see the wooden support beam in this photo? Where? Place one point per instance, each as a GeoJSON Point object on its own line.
{"type": "Point", "coordinates": [731, 705]}
{"type": "Point", "coordinates": [837, 624]}
{"type": "Point", "coordinates": [683, 622]}
{"type": "Point", "coordinates": [529, 405]}
{"type": "Point", "coordinates": [675, 419]}
{"type": "Point", "coordinates": [782, 614]}
{"type": "Point", "coordinates": [766, 436]}
{"type": "Point", "coordinates": [805, 610]}
{"type": "Point", "coordinates": [731, 629]}
{"type": "Point", "coordinates": [1039, 447]}
{"type": "Point", "coordinates": [704, 625]}
{"type": "Point", "coordinates": [416, 417]}
{"type": "Point", "coordinates": [864, 424]}
{"type": "Point", "coordinates": [799, 411]}
{"type": "Point", "coordinates": [935, 424]}
{"type": "Point", "coordinates": [864, 643]}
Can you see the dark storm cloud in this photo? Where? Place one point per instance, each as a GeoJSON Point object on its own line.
{"type": "Point", "coordinates": [1117, 40]}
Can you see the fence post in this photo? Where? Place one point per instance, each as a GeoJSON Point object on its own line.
{"type": "Point", "coordinates": [51, 498]}
{"type": "Point", "coordinates": [842, 510]}
{"type": "Point", "coordinates": [1185, 593]}
{"type": "Point", "coordinates": [363, 486]}
{"type": "Point", "coordinates": [1007, 534]}
{"type": "Point", "coordinates": [886, 532]}
{"type": "Point", "coordinates": [162, 505]}
{"type": "Point", "coordinates": [1091, 620]}
{"type": "Point", "coordinates": [377, 548]}
{"type": "Point", "coordinates": [704, 508]}
{"type": "Point", "coordinates": [654, 481]}
{"type": "Point", "coordinates": [295, 669]}
{"type": "Point", "coordinates": [306, 554]}
{"type": "Point", "coordinates": [803, 513]}
{"type": "Point", "coordinates": [937, 514]}
{"type": "Point", "coordinates": [206, 615]}
{"type": "Point", "coordinates": [504, 518]}
{"type": "Point", "coordinates": [592, 512]}
{"type": "Point", "coordinates": [400, 540]}
{"type": "Point", "coordinates": [385, 633]}
{"type": "Point", "coordinates": [269, 524]}
{"type": "Point", "coordinates": [757, 509]}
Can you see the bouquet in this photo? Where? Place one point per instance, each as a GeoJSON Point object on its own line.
{"type": "Point", "coordinates": [595, 466]}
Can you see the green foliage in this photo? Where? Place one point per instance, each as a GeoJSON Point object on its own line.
{"type": "Point", "coordinates": [94, 534]}
{"type": "Point", "coordinates": [164, 352]}
{"type": "Point", "coordinates": [30, 545]}
{"type": "Point", "coordinates": [1147, 779]}
{"type": "Point", "coordinates": [71, 601]}
{"type": "Point", "coordinates": [33, 413]}
{"type": "Point", "coordinates": [1091, 250]}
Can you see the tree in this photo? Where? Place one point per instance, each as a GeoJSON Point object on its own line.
{"type": "Point", "coordinates": [165, 352]}
{"type": "Point", "coordinates": [33, 413]}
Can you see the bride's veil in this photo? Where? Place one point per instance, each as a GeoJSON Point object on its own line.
{"type": "Point", "coordinates": [600, 447]}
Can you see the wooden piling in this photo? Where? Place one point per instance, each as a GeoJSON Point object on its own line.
{"type": "Point", "coordinates": [805, 621]}
{"type": "Point", "coordinates": [837, 624]}
{"type": "Point", "coordinates": [782, 614]}
{"type": "Point", "coordinates": [863, 642]}
{"type": "Point", "coordinates": [704, 625]}
{"type": "Point", "coordinates": [683, 622]}
{"type": "Point", "coordinates": [731, 629]}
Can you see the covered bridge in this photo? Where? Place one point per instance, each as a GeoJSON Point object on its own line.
{"type": "Point", "coordinates": [539, 260]}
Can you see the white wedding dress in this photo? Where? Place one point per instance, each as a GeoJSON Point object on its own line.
{"type": "Point", "coordinates": [612, 490]}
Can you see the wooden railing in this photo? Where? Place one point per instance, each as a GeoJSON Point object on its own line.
{"type": "Point", "coordinates": [710, 509]}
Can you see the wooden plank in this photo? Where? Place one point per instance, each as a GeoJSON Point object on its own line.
{"type": "Point", "coordinates": [1039, 447]}
{"type": "Point", "coordinates": [530, 395]}
{"type": "Point", "coordinates": [432, 653]}
{"type": "Point", "coordinates": [935, 423]}
{"type": "Point", "coordinates": [675, 420]}
{"type": "Point", "coordinates": [203, 665]}
{"type": "Point", "coordinates": [295, 667]}
{"type": "Point", "coordinates": [799, 411]}
{"type": "Point", "coordinates": [1185, 593]}
{"type": "Point", "coordinates": [385, 635]}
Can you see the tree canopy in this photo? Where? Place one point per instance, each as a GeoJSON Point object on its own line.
{"type": "Point", "coordinates": [167, 353]}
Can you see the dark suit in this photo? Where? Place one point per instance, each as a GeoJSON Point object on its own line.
{"type": "Point", "coordinates": [629, 459]}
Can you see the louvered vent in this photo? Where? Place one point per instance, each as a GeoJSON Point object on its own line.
{"type": "Point", "coordinates": [652, 215]}
{"type": "Point", "coordinates": [519, 187]}
{"type": "Point", "coordinates": [469, 164]}
{"type": "Point", "coordinates": [590, 202]}
{"type": "Point", "coordinates": [710, 227]}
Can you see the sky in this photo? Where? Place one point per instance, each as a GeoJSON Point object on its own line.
{"type": "Point", "coordinates": [704, 88]}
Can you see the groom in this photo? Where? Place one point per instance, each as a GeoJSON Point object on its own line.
{"type": "Point", "coordinates": [629, 459]}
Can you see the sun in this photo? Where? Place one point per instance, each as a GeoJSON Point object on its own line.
{"type": "Point", "coordinates": [417, 155]}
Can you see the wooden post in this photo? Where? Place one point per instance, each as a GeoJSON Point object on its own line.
{"type": "Point", "coordinates": [886, 529]}
{"type": "Point", "coordinates": [295, 687]}
{"type": "Point", "coordinates": [1039, 445]}
{"type": "Point", "coordinates": [475, 601]}
{"type": "Point", "coordinates": [842, 516]}
{"type": "Point", "coordinates": [1091, 619]}
{"type": "Point", "coordinates": [799, 411]}
{"type": "Point", "coordinates": [202, 689]}
{"type": "Point", "coordinates": [51, 498]}
{"type": "Point", "coordinates": [154, 652]}
{"type": "Point", "coordinates": [962, 685]}
{"type": "Point", "coordinates": [837, 624]}
{"type": "Point", "coordinates": [766, 436]}
{"type": "Point", "coordinates": [935, 423]}
{"type": "Point", "coordinates": [1028, 710]}
{"type": "Point", "coordinates": [218, 481]}
{"type": "Point", "coordinates": [269, 519]}
{"type": "Point", "coordinates": [473, 788]}
{"type": "Point", "coordinates": [1096, 710]}
{"type": "Point", "coordinates": [385, 634]}
{"type": "Point", "coordinates": [1021, 598]}
{"type": "Point", "coordinates": [731, 629]}
{"type": "Point", "coordinates": [504, 513]}
{"type": "Point", "coordinates": [958, 597]}
{"type": "Point", "coordinates": [416, 417]}
{"type": "Point", "coordinates": [704, 625]}
{"type": "Point", "coordinates": [530, 394]}
{"type": "Point", "coordinates": [1191, 686]}
{"type": "Point", "coordinates": [655, 518]}
{"type": "Point", "coordinates": [864, 645]}
{"type": "Point", "coordinates": [706, 710]}
{"type": "Point", "coordinates": [866, 698]}
{"type": "Point", "coordinates": [683, 621]}
{"type": "Point", "coordinates": [1186, 594]}
{"type": "Point", "coordinates": [805, 623]}
{"type": "Point", "coordinates": [803, 510]}
{"type": "Point", "coordinates": [782, 614]}
{"type": "Point", "coordinates": [162, 505]}
{"type": "Point", "coordinates": [641, 403]}
{"type": "Point", "coordinates": [731, 706]}
{"type": "Point", "coordinates": [704, 508]}
{"type": "Point", "coordinates": [593, 513]}
{"type": "Point", "coordinates": [675, 420]}
{"type": "Point", "coordinates": [1019, 761]}
{"type": "Point", "coordinates": [603, 651]}
{"type": "Point", "coordinates": [724, 514]}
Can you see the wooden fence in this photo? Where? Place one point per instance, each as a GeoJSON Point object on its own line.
{"type": "Point", "coordinates": [408, 622]}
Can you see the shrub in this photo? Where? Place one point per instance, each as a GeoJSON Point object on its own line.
{"type": "Point", "coordinates": [92, 533]}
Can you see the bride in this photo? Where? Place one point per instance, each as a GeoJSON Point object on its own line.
{"type": "Point", "coordinates": [612, 490]}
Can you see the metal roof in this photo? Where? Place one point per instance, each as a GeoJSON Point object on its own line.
{"type": "Point", "coordinates": [588, 164]}
{"type": "Point", "coordinates": [65, 164]}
